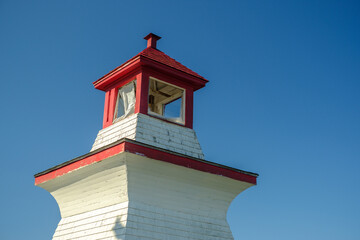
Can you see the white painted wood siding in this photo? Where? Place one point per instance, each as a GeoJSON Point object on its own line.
{"type": "Point", "coordinates": [130, 197]}
{"type": "Point", "coordinates": [151, 131]}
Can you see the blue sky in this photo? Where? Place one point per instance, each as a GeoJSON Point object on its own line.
{"type": "Point", "coordinates": [283, 101]}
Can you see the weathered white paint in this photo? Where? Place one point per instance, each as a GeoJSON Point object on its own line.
{"type": "Point", "coordinates": [152, 131]}
{"type": "Point", "coordinates": [130, 197]}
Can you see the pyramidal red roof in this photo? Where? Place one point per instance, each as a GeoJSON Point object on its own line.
{"type": "Point", "coordinates": [159, 56]}
{"type": "Point", "coordinates": [152, 53]}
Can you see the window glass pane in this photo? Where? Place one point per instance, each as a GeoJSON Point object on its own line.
{"type": "Point", "coordinates": [173, 109]}
{"type": "Point", "coordinates": [120, 107]}
{"type": "Point", "coordinates": [125, 104]}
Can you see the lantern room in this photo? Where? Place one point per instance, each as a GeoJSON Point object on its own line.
{"type": "Point", "coordinates": [151, 83]}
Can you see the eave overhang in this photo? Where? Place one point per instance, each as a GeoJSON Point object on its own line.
{"type": "Point", "coordinates": [134, 147]}
{"type": "Point", "coordinates": [141, 61]}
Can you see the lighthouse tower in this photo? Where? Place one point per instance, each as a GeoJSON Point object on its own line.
{"type": "Point", "coordinates": [146, 176]}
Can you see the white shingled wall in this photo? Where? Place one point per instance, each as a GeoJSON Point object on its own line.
{"type": "Point", "coordinates": [174, 202]}
{"type": "Point", "coordinates": [152, 131]}
{"type": "Point", "coordinates": [103, 223]}
{"type": "Point", "coordinates": [130, 197]}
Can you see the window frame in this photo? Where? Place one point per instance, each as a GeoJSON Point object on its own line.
{"type": "Point", "coordinates": [182, 116]}
{"type": "Point", "coordinates": [115, 117]}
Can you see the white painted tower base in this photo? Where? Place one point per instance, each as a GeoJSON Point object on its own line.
{"type": "Point", "coordinates": [130, 197]}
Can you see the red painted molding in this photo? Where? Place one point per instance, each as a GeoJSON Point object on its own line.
{"type": "Point", "coordinates": [114, 76]}
{"type": "Point", "coordinates": [140, 149]}
{"type": "Point", "coordinates": [106, 109]}
{"type": "Point", "coordinates": [189, 103]}
{"type": "Point", "coordinates": [111, 109]}
{"type": "Point", "coordinates": [82, 162]}
{"type": "Point", "coordinates": [142, 90]}
{"type": "Point", "coordinates": [203, 166]}
{"type": "Point", "coordinates": [190, 80]}
{"type": "Point", "coordinates": [141, 61]}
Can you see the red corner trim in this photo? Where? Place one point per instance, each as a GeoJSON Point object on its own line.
{"type": "Point", "coordinates": [139, 149]}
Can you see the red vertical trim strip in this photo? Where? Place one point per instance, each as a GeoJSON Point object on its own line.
{"type": "Point", "coordinates": [106, 109]}
{"type": "Point", "coordinates": [112, 103]}
{"type": "Point", "coordinates": [142, 89]}
{"type": "Point", "coordinates": [189, 105]}
{"type": "Point", "coordinates": [138, 92]}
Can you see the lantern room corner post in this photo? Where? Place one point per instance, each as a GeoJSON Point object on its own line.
{"type": "Point", "coordinates": [142, 89]}
{"type": "Point", "coordinates": [109, 107]}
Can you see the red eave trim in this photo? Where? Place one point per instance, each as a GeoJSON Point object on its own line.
{"type": "Point", "coordinates": [191, 80]}
{"type": "Point", "coordinates": [197, 164]}
{"type": "Point", "coordinates": [117, 73]}
{"type": "Point", "coordinates": [134, 147]}
{"type": "Point", "coordinates": [195, 75]}
{"type": "Point", "coordinates": [133, 63]}
{"type": "Point", "coordinates": [78, 163]}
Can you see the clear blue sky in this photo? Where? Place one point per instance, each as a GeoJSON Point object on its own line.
{"type": "Point", "coordinates": [283, 101]}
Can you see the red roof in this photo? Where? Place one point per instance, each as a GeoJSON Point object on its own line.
{"type": "Point", "coordinates": [158, 56]}
{"type": "Point", "coordinates": [161, 57]}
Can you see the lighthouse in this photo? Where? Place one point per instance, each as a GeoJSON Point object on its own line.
{"type": "Point", "coordinates": [145, 176]}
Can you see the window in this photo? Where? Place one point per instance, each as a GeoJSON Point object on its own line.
{"type": "Point", "coordinates": [166, 101]}
{"type": "Point", "coordinates": [125, 103]}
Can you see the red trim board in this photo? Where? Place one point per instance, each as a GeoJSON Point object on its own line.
{"type": "Point", "coordinates": [158, 154]}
